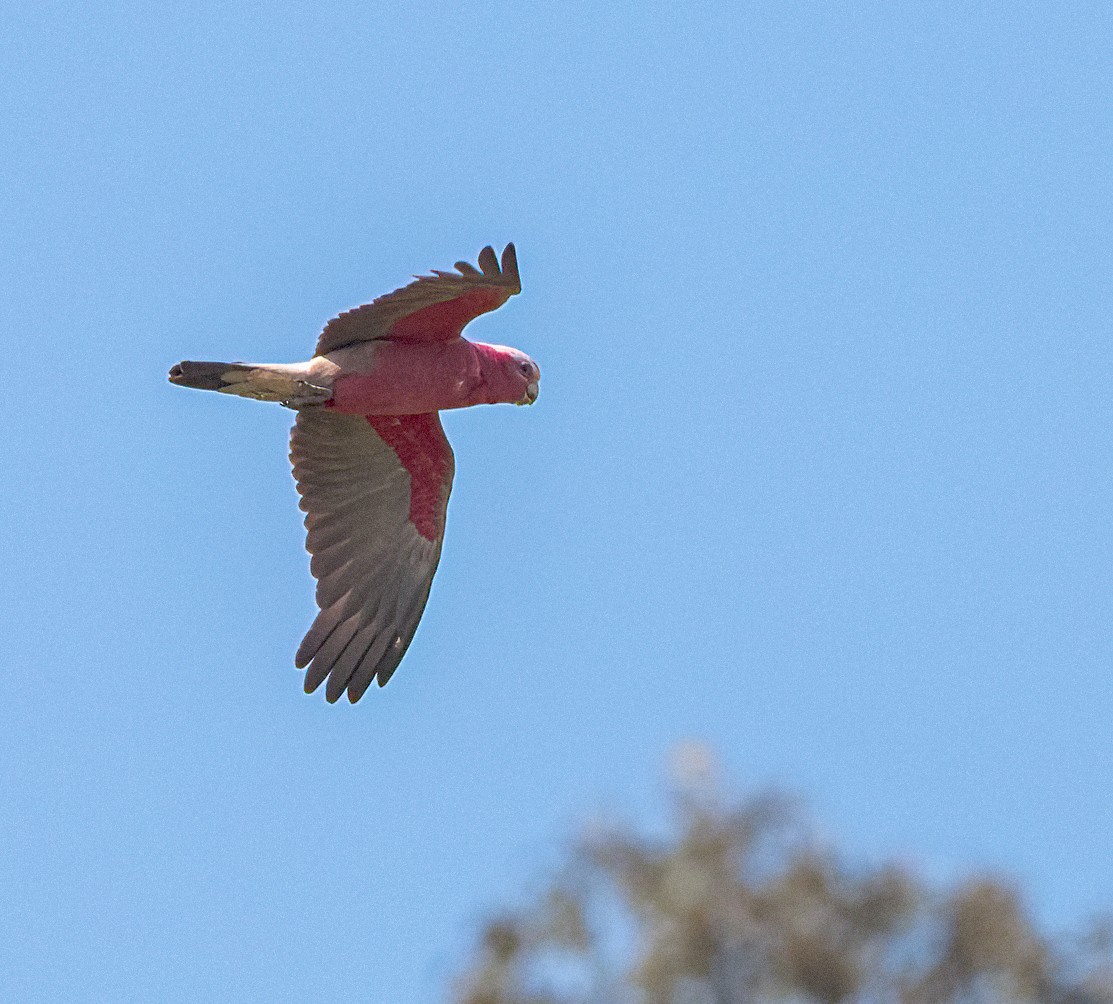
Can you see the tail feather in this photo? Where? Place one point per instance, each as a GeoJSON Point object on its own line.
{"type": "Point", "coordinates": [205, 376]}
{"type": "Point", "coordinates": [262, 382]}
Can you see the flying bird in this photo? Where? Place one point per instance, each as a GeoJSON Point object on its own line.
{"type": "Point", "coordinates": [371, 461]}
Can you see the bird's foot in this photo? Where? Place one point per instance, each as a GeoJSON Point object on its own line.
{"type": "Point", "coordinates": [305, 395]}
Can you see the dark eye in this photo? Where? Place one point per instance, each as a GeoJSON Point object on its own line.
{"type": "Point", "coordinates": [526, 368]}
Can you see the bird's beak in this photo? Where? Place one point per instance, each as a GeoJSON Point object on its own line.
{"type": "Point", "coordinates": [531, 394]}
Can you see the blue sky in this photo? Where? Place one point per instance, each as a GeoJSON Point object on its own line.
{"type": "Point", "coordinates": [820, 471]}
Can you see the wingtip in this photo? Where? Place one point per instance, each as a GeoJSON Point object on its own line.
{"type": "Point", "coordinates": [510, 265]}
{"type": "Point", "coordinates": [356, 691]}
{"type": "Point", "coordinates": [314, 677]}
{"type": "Point", "coordinates": [489, 263]}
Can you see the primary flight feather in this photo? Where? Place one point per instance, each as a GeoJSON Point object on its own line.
{"type": "Point", "coordinates": [371, 461]}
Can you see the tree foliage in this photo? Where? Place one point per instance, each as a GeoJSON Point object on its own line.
{"type": "Point", "coordinates": [741, 904]}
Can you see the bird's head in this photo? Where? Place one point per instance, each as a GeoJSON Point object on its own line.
{"type": "Point", "coordinates": [511, 376]}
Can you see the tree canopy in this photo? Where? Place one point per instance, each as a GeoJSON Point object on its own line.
{"type": "Point", "coordinates": [741, 903]}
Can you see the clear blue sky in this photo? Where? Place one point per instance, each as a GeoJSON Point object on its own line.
{"type": "Point", "coordinates": [820, 471]}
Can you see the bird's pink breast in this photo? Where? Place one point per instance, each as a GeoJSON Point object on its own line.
{"type": "Point", "coordinates": [407, 378]}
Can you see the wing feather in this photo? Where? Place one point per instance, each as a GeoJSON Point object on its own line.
{"type": "Point", "coordinates": [328, 654]}
{"type": "Point", "coordinates": [431, 308]}
{"type": "Point", "coordinates": [322, 627]}
{"type": "Point", "coordinates": [373, 565]}
{"type": "Point", "coordinates": [364, 672]}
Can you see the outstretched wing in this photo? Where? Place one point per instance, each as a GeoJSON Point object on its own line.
{"type": "Point", "coordinates": [375, 491]}
{"type": "Point", "coordinates": [432, 308]}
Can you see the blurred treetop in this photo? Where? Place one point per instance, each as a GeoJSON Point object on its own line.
{"type": "Point", "coordinates": [742, 905]}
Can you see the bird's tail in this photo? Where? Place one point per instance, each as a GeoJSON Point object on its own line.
{"type": "Point", "coordinates": [260, 381]}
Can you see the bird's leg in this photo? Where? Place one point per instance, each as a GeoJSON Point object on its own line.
{"type": "Point", "coordinates": [306, 394]}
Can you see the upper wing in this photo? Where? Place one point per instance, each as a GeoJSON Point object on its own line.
{"type": "Point", "coordinates": [375, 490]}
{"type": "Point", "coordinates": [432, 308]}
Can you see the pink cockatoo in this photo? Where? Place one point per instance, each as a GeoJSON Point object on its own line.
{"type": "Point", "coordinates": [371, 460]}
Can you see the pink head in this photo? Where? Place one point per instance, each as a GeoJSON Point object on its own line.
{"type": "Point", "coordinates": [509, 376]}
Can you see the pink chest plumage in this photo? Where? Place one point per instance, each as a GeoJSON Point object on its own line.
{"type": "Point", "coordinates": [409, 378]}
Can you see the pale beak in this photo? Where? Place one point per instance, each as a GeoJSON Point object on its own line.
{"type": "Point", "coordinates": [531, 394]}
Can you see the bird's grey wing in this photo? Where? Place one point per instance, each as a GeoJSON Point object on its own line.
{"type": "Point", "coordinates": [375, 492]}
{"type": "Point", "coordinates": [431, 308]}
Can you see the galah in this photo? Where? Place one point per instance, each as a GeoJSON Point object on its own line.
{"type": "Point", "coordinates": [371, 461]}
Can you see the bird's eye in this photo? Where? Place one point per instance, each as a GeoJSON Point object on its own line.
{"type": "Point", "coordinates": [526, 368]}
